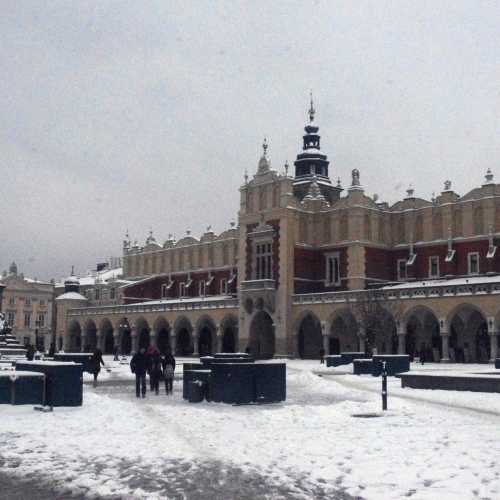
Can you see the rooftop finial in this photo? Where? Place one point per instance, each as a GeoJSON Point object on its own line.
{"type": "Point", "coordinates": [488, 178]}
{"type": "Point", "coordinates": [72, 270]}
{"type": "Point", "coordinates": [286, 168]}
{"type": "Point", "coordinates": [264, 147]}
{"type": "Point", "coordinates": [410, 191]}
{"type": "Point", "coordinates": [312, 111]}
{"type": "Point", "coordinates": [447, 185]}
{"type": "Point", "coordinates": [245, 176]}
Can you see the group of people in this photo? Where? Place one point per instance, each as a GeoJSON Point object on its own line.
{"type": "Point", "coordinates": [157, 366]}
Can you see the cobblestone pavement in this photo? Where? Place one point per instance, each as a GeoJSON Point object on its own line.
{"type": "Point", "coordinates": [176, 480]}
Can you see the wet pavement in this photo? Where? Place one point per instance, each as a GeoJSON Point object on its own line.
{"type": "Point", "coordinates": [177, 480]}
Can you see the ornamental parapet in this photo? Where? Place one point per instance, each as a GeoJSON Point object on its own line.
{"type": "Point", "coordinates": [251, 285]}
{"type": "Point", "coordinates": [156, 306]}
{"type": "Point", "coordinates": [401, 292]}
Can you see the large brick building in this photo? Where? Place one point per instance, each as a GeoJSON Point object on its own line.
{"type": "Point", "coordinates": [292, 275]}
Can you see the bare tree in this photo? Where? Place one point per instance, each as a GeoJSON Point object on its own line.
{"type": "Point", "coordinates": [378, 316]}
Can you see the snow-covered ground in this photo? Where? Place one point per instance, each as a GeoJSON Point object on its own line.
{"type": "Point", "coordinates": [429, 445]}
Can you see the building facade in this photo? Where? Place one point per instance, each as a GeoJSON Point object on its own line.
{"type": "Point", "coordinates": [311, 265]}
{"type": "Point", "coordinates": [28, 305]}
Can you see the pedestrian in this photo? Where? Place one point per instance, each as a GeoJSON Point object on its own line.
{"type": "Point", "coordinates": [168, 365]}
{"type": "Point", "coordinates": [30, 351]}
{"type": "Point", "coordinates": [322, 356]}
{"type": "Point", "coordinates": [422, 355]}
{"type": "Point", "coordinates": [95, 364]}
{"type": "Point", "coordinates": [155, 371]}
{"type": "Point", "coordinates": [138, 366]}
{"type": "Point", "coordinates": [52, 350]}
{"type": "Point", "coordinates": [116, 352]}
{"type": "Point", "coordinates": [151, 354]}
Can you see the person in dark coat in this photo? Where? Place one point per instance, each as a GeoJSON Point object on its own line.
{"type": "Point", "coordinates": [30, 351]}
{"type": "Point", "coordinates": [155, 371]}
{"type": "Point", "coordinates": [168, 365]}
{"type": "Point", "coordinates": [151, 354]}
{"type": "Point", "coordinates": [95, 363]}
{"type": "Point", "coordinates": [138, 366]}
{"type": "Point", "coordinates": [116, 352]}
{"type": "Point", "coordinates": [322, 356]}
{"type": "Point", "coordinates": [52, 350]}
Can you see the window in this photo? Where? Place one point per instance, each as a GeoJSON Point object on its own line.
{"type": "Point", "coordinates": [434, 266]}
{"type": "Point", "coordinates": [11, 318]}
{"type": "Point", "coordinates": [182, 289]}
{"type": "Point", "coordinates": [202, 288]}
{"type": "Point", "coordinates": [27, 301]}
{"type": "Point", "coordinates": [164, 290]}
{"type": "Point", "coordinates": [97, 294]}
{"type": "Point", "coordinates": [112, 293]}
{"type": "Point", "coordinates": [333, 269]}
{"type": "Point", "coordinates": [27, 320]}
{"type": "Point", "coordinates": [12, 301]}
{"type": "Point", "coordinates": [264, 261]}
{"type": "Point", "coordinates": [223, 286]}
{"type": "Point", "coordinates": [41, 319]}
{"type": "Point", "coordinates": [473, 262]}
{"type": "Point", "coordinates": [402, 270]}
{"type": "Point", "coordinates": [42, 302]}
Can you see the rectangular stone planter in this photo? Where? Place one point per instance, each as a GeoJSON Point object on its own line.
{"type": "Point", "coordinates": [21, 388]}
{"type": "Point", "coordinates": [394, 363]}
{"type": "Point", "coordinates": [63, 382]}
{"type": "Point", "coordinates": [334, 360]}
{"type": "Point", "coordinates": [83, 358]}
{"type": "Point", "coordinates": [349, 357]}
{"type": "Point", "coordinates": [362, 366]}
{"type": "Point", "coordinates": [450, 382]}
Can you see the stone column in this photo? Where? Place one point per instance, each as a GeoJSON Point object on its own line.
{"type": "Point", "coordinates": [195, 344]}
{"type": "Point", "coordinates": [217, 347]}
{"type": "Point", "coordinates": [173, 343]}
{"type": "Point", "coordinates": [116, 342]}
{"type": "Point", "coordinates": [82, 347]}
{"type": "Point", "coordinates": [362, 344]}
{"type": "Point", "coordinates": [135, 339]}
{"type": "Point", "coordinates": [99, 337]}
{"type": "Point", "coordinates": [493, 346]}
{"type": "Point", "coordinates": [401, 338]}
{"type": "Point", "coordinates": [324, 335]}
{"type": "Point", "coordinates": [153, 339]}
{"type": "Point", "coordinates": [445, 340]}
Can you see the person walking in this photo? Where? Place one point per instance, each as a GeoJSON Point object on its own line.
{"type": "Point", "coordinates": [30, 351]}
{"type": "Point", "coordinates": [138, 366]}
{"type": "Point", "coordinates": [116, 352]}
{"type": "Point", "coordinates": [95, 364]}
{"type": "Point", "coordinates": [151, 354]}
{"type": "Point", "coordinates": [168, 365]}
{"type": "Point", "coordinates": [155, 371]}
{"type": "Point", "coordinates": [322, 356]}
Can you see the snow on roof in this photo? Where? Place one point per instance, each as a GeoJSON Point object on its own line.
{"type": "Point", "coordinates": [472, 280]}
{"type": "Point", "coordinates": [71, 296]}
{"type": "Point", "coordinates": [212, 298]}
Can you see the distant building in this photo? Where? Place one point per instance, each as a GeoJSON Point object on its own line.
{"type": "Point", "coordinates": [28, 305]}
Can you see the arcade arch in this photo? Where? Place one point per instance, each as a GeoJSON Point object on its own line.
{"type": "Point", "coordinates": [143, 333]}
{"type": "Point", "coordinates": [90, 336]}
{"type": "Point", "coordinates": [125, 336]}
{"type": "Point", "coordinates": [422, 334]}
{"type": "Point", "coordinates": [229, 331]}
{"type": "Point", "coordinates": [343, 335]}
{"type": "Point", "coordinates": [75, 337]}
{"type": "Point", "coordinates": [183, 335]}
{"type": "Point", "coordinates": [469, 340]}
{"type": "Point", "coordinates": [309, 337]}
{"type": "Point", "coordinates": [162, 332]}
{"type": "Point", "coordinates": [262, 342]}
{"type": "Point", "coordinates": [206, 335]}
{"type": "Point", "coordinates": [106, 329]}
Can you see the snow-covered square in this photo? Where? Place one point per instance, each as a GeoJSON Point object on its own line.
{"type": "Point", "coordinates": [428, 445]}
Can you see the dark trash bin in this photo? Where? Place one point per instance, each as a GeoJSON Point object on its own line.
{"type": "Point", "coordinates": [394, 363]}
{"type": "Point", "coordinates": [196, 391]}
{"type": "Point", "coordinates": [362, 367]}
{"type": "Point", "coordinates": [497, 363]}
{"type": "Point", "coordinates": [334, 360]}
{"type": "Point", "coordinates": [233, 383]}
{"type": "Point", "coordinates": [270, 382]}
{"type": "Point", "coordinates": [198, 373]}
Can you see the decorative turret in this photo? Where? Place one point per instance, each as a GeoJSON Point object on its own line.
{"type": "Point", "coordinates": [311, 162]}
{"type": "Point", "coordinates": [264, 165]}
{"type": "Point", "coordinates": [13, 269]}
{"type": "Point", "coordinates": [72, 283]}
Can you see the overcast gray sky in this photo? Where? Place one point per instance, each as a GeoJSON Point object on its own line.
{"type": "Point", "coordinates": [127, 114]}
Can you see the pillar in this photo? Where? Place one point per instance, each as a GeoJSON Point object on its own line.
{"type": "Point", "coordinates": [116, 341]}
{"type": "Point", "coordinates": [83, 340]}
{"type": "Point", "coordinates": [493, 346]}
{"type": "Point", "coordinates": [325, 338]}
{"type": "Point", "coordinates": [195, 344]}
{"type": "Point", "coordinates": [135, 339]}
{"type": "Point", "coordinates": [153, 339]}
{"type": "Point", "coordinates": [401, 330]}
{"type": "Point", "coordinates": [173, 342]}
{"type": "Point", "coordinates": [362, 344]}
{"type": "Point", "coordinates": [445, 340]}
{"type": "Point", "coordinates": [217, 347]}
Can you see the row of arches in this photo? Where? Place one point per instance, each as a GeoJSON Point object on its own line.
{"type": "Point", "coordinates": [467, 337]}
{"type": "Point", "coordinates": [181, 337]}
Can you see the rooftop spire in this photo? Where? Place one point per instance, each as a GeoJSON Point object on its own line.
{"type": "Point", "coordinates": [312, 111]}
{"type": "Point", "coordinates": [264, 147]}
